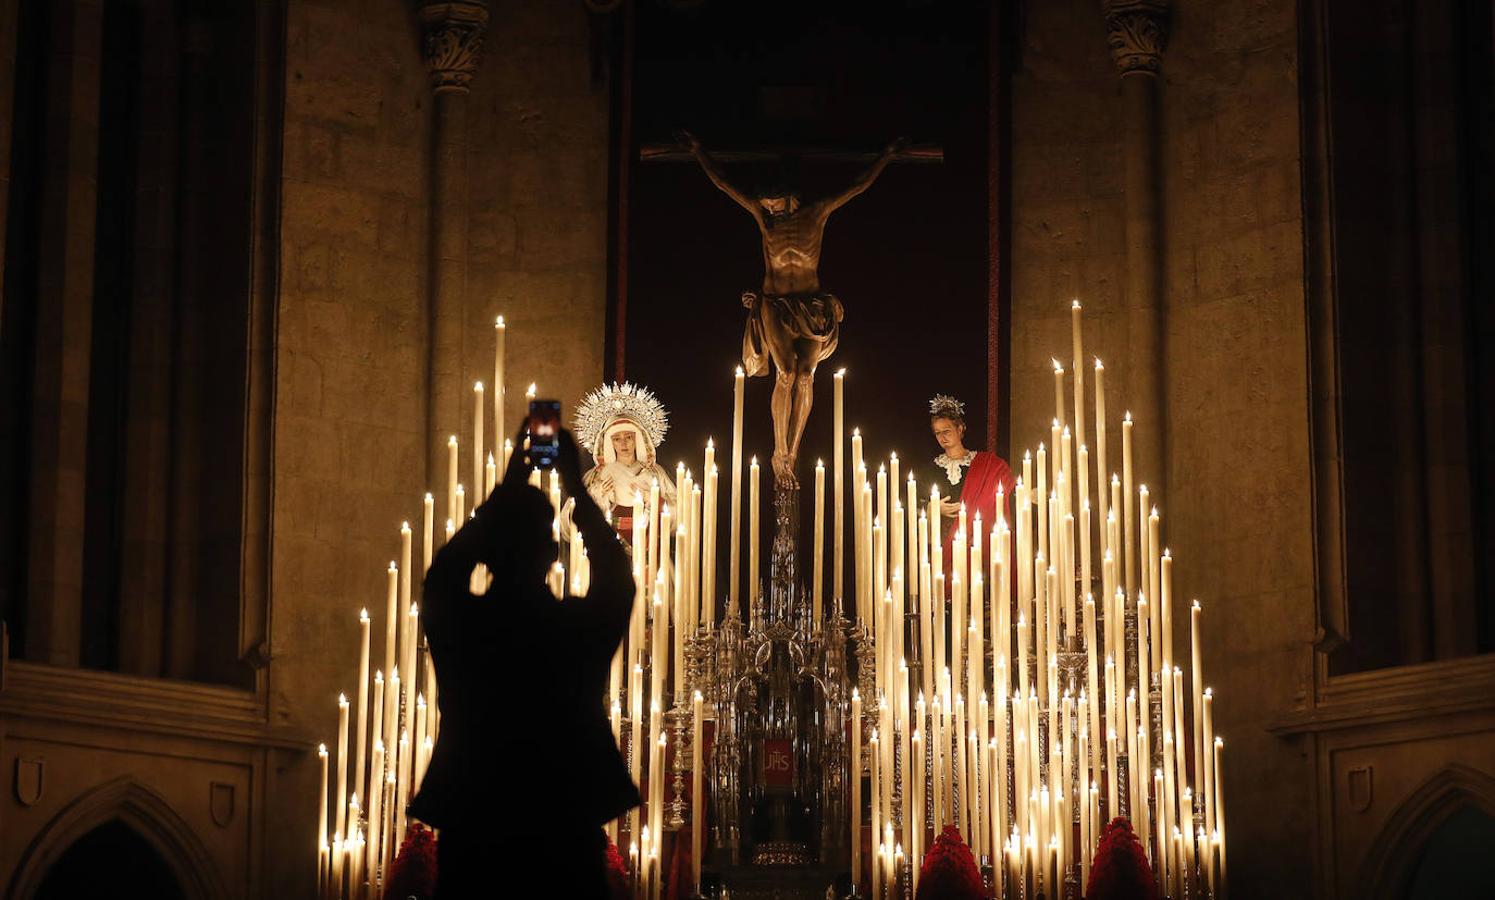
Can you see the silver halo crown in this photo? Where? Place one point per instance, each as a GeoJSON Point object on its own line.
{"type": "Point", "coordinates": [612, 402]}
{"type": "Point", "coordinates": [944, 406]}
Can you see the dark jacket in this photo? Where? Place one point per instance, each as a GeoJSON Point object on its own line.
{"type": "Point", "coordinates": [525, 743]}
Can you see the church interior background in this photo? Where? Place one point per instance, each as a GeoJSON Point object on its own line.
{"type": "Point", "coordinates": [253, 256]}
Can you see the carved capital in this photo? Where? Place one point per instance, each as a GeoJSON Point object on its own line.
{"type": "Point", "coordinates": [1137, 31]}
{"type": "Point", "coordinates": [453, 33]}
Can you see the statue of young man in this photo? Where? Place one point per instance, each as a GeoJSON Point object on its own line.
{"type": "Point", "coordinates": [972, 475]}
{"type": "Point", "coordinates": [791, 318]}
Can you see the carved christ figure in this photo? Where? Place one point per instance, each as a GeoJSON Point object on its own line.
{"type": "Point", "coordinates": [791, 318]}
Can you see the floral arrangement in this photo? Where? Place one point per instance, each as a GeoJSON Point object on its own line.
{"type": "Point", "coordinates": [413, 872]}
{"type": "Point", "coordinates": [617, 873]}
{"type": "Point", "coordinates": [1120, 870]}
{"type": "Point", "coordinates": [950, 871]}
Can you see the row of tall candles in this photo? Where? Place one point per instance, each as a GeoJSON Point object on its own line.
{"type": "Point", "coordinates": [386, 734]}
{"type": "Point", "coordinates": [996, 727]}
{"type": "Point", "coordinates": [961, 781]}
{"type": "Point", "coordinates": [382, 753]}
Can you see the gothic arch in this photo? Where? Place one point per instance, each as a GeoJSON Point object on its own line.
{"type": "Point", "coordinates": [140, 808]}
{"type": "Point", "coordinates": [1394, 854]}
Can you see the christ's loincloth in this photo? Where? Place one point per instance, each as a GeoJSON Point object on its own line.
{"type": "Point", "coordinates": [797, 318]}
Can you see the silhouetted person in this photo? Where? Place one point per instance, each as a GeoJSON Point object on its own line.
{"type": "Point", "coordinates": [525, 772]}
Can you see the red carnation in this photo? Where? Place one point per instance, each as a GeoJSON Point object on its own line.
{"type": "Point", "coordinates": [1120, 870]}
{"type": "Point", "coordinates": [617, 873]}
{"type": "Point", "coordinates": [950, 871]}
{"type": "Point", "coordinates": [413, 872]}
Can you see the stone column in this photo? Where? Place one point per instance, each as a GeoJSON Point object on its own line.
{"type": "Point", "coordinates": [1136, 31]}
{"type": "Point", "coordinates": [64, 333]}
{"type": "Point", "coordinates": [453, 38]}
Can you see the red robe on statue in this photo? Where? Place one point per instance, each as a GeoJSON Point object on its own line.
{"type": "Point", "coordinates": [978, 491]}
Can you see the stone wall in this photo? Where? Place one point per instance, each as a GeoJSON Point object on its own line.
{"type": "Point", "coordinates": [1237, 515]}
{"type": "Point", "coordinates": [350, 371]}
{"type": "Point", "coordinates": [352, 336]}
{"type": "Point", "coordinates": [537, 249]}
{"type": "Point", "coordinates": [1239, 463]}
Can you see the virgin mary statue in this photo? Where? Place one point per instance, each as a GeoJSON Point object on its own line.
{"type": "Point", "coordinates": [623, 425]}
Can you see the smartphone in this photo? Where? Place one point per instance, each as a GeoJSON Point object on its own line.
{"type": "Point", "coordinates": [544, 433]}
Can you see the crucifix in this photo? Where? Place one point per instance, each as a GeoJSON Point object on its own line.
{"type": "Point", "coordinates": [791, 321]}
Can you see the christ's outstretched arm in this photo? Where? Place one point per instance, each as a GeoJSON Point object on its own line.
{"type": "Point", "coordinates": [714, 172]}
{"type": "Point", "coordinates": [865, 180]}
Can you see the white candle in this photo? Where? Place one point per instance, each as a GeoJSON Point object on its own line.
{"type": "Point", "coordinates": [1165, 588]}
{"type": "Point", "coordinates": [753, 529]}
{"type": "Point", "coordinates": [682, 598]}
{"type": "Point", "coordinates": [368, 782]}
{"type": "Point", "coordinates": [391, 723]}
{"type": "Point", "coordinates": [391, 640]}
{"type": "Point", "coordinates": [1166, 802]}
{"type": "Point", "coordinates": [962, 769]}
{"type": "Point", "coordinates": [341, 809]}
{"type": "Point", "coordinates": [916, 814]}
{"type": "Point", "coordinates": [708, 554]}
{"type": "Point", "coordinates": [635, 743]}
{"type": "Point", "coordinates": [911, 563]}
{"type": "Point", "coordinates": [838, 441]}
{"type": "Point", "coordinates": [477, 443]}
{"type": "Point", "coordinates": [1133, 780]}
{"type": "Point", "coordinates": [451, 479]}
{"type": "Point", "coordinates": [1058, 392]}
{"type": "Point", "coordinates": [1129, 539]}
{"type": "Point", "coordinates": [733, 549]}
{"type": "Point", "coordinates": [655, 510]}
{"type": "Point", "coordinates": [1076, 363]}
{"type": "Point", "coordinates": [1100, 446]}
{"type": "Point", "coordinates": [376, 815]}
{"type": "Point", "coordinates": [1220, 812]}
{"type": "Point", "coordinates": [856, 789]}
{"type": "Point", "coordinates": [361, 757]}
{"type": "Point", "coordinates": [1196, 682]}
{"type": "Point", "coordinates": [1040, 503]}
{"type": "Point", "coordinates": [874, 752]}
{"type": "Point", "coordinates": [412, 677]}
{"type": "Point", "coordinates": [818, 578]}
{"type": "Point", "coordinates": [500, 333]}
{"type": "Point", "coordinates": [656, 769]}
{"type": "Point", "coordinates": [1085, 559]}
{"type": "Point", "coordinates": [428, 531]}
{"type": "Point", "coordinates": [939, 746]}
{"type": "Point", "coordinates": [1160, 832]}
{"type": "Point", "coordinates": [697, 801]}
{"type": "Point", "coordinates": [1207, 785]}
{"type": "Point", "coordinates": [322, 806]}
{"type": "Point", "coordinates": [926, 608]}
{"type": "Point", "coordinates": [419, 748]}
{"type": "Point", "coordinates": [1153, 587]}
{"type": "Point", "coordinates": [880, 546]}
{"type": "Point", "coordinates": [1186, 812]}
{"type": "Point", "coordinates": [858, 525]}
{"type": "Point", "coordinates": [658, 645]}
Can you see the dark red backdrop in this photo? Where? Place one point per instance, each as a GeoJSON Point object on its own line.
{"type": "Point", "coordinates": [912, 259]}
